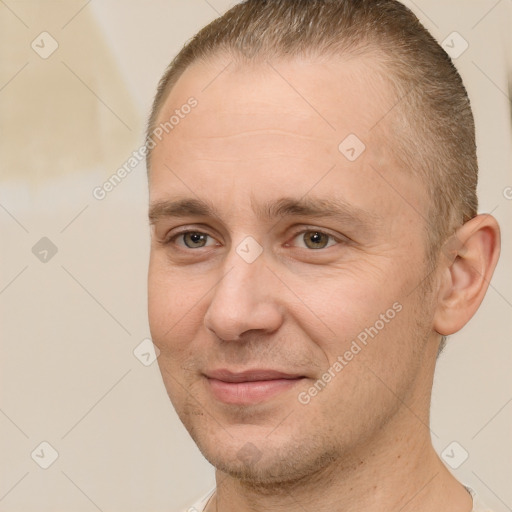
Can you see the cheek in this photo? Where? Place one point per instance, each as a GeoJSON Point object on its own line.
{"type": "Point", "coordinates": [165, 306]}
{"type": "Point", "coordinates": [172, 315]}
{"type": "Point", "coordinates": [158, 302]}
{"type": "Point", "coordinates": [343, 302]}
{"type": "Point", "coordinates": [371, 367]}
{"type": "Point", "coordinates": [370, 321]}
{"type": "Point", "coordinates": [176, 306]}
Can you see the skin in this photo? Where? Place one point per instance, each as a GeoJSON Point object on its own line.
{"type": "Point", "coordinates": [258, 134]}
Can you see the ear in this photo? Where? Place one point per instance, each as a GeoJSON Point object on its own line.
{"type": "Point", "coordinates": [468, 258]}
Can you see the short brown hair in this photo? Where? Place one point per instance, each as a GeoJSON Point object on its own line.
{"type": "Point", "coordinates": [434, 123]}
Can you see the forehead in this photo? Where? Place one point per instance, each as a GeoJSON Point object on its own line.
{"type": "Point", "coordinates": [269, 128]}
{"type": "Point", "coordinates": [326, 97]}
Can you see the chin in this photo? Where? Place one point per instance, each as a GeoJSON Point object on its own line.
{"type": "Point", "coordinates": [265, 463]}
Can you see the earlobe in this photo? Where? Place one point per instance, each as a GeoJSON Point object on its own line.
{"type": "Point", "coordinates": [469, 258]}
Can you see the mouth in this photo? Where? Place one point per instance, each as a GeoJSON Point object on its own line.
{"type": "Point", "coordinates": [250, 386]}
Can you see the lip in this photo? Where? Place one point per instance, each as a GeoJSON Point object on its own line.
{"type": "Point", "coordinates": [249, 386]}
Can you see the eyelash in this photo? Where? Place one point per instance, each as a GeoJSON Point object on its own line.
{"type": "Point", "coordinates": [171, 240]}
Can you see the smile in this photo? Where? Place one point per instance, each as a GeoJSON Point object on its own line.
{"type": "Point", "coordinates": [249, 387]}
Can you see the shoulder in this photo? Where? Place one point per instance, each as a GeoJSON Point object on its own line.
{"type": "Point", "coordinates": [200, 505]}
{"type": "Point", "coordinates": [478, 504]}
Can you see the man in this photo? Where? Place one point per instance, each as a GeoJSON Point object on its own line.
{"type": "Point", "coordinates": [315, 237]}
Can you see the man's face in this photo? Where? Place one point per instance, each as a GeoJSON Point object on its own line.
{"type": "Point", "coordinates": [255, 304]}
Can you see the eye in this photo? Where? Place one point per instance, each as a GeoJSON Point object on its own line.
{"type": "Point", "coordinates": [313, 239]}
{"type": "Point", "coordinates": [192, 239]}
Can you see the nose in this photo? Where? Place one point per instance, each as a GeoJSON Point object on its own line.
{"type": "Point", "coordinates": [245, 299]}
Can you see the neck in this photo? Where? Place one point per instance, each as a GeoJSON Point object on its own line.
{"type": "Point", "coordinates": [398, 470]}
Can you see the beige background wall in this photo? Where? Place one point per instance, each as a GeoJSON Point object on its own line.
{"type": "Point", "coordinates": [70, 324]}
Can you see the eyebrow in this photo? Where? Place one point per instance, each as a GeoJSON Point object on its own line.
{"type": "Point", "coordinates": [180, 208]}
{"type": "Point", "coordinates": [271, 210]}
